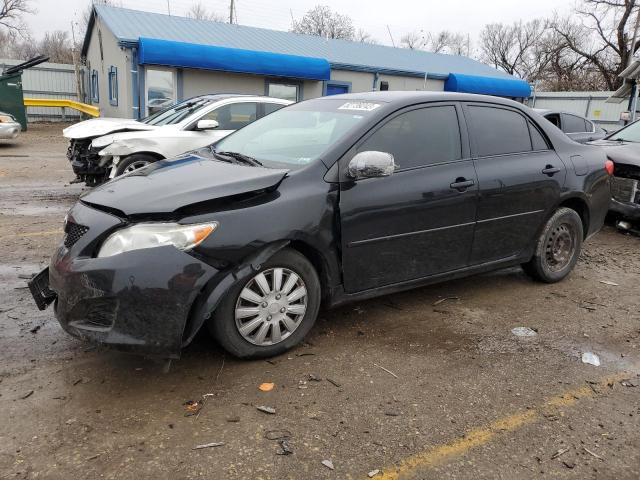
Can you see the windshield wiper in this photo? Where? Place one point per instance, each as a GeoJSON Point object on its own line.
{"type": "Point", "coordinates": [246, 159]}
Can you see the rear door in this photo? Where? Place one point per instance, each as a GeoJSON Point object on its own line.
{"type": "Point", "coordinates": [520, 179]}
{"type": "Point", "coordinates": [419, 221]}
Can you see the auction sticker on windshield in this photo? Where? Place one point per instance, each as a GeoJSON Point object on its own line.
{"type": "Point", "coordinates": [363, 106]}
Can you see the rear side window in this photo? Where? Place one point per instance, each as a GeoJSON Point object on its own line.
{"type": "Point", "coordinates": [572, 124]}
{"type": "Point", "coordinates": [498, 131]}
{"type": "Point", "coordinates": [419, 137]}
{"type": "Point", "coordinates": [271, 107]}
{"type": "Point", "coordinates": [538, 141]}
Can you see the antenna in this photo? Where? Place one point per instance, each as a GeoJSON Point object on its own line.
{"type": "Point", "coordinates": [168, 8]}
{"type": "Point", "coordinates": [390, 36]}
{"type": "Point", "coordinates": [231, 7]}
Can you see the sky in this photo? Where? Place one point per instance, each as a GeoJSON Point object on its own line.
{"type": "Point", "coordinates": [401, 16]}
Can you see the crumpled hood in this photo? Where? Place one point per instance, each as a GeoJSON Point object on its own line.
{"type": "Point", "coordinates": [168, 185]}
{"type": "Point", "coordinates": [624, 153]}
{"type": "Point", "coordinates": [97, 127]}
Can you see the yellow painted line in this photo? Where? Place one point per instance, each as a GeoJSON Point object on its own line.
{"type": "Point", "coordinates": [33, 234]}
{"type": "Point", "coordinates": [483, 435]}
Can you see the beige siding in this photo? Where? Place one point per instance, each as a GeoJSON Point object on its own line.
{"type": "Point", "coordinates": [113, 55]}
{"type": "Point", "coordinates": [360, 81]}
{"type": "Point", "coordinates": [411, 83]}
{"type": "Point", "coordinates": [312, 89]}
{"type": "Point", "coordinates": [200, 82]}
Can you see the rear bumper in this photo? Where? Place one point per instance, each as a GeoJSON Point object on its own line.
{"type": "Point", "coordinates": [9, 131]}
{"type": "Point", "coordinates": [627, 210]}
{"type": "Point", "coordinates": [137, 301]}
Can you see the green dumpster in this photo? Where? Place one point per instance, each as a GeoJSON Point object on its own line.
{"type": "Point", "coordinates": [11, 98]}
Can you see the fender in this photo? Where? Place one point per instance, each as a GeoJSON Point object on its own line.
{"type": "Point", "coordinates": [209, 299]}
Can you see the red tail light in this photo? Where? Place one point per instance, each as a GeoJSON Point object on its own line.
{"type": "Point", "coordinates": [608, 166]}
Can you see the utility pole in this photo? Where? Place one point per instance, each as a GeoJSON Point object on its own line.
{"type": "Point", "coordinates": [391, 36]}
{"type": "Point", "coordinates": [633, 101]}
{"type": "Point", "coordinates": [168, 8]}
{"type": "Point", "coordinates": [231, 8]}
{"type": "Point", "coordinates": [74, 52]}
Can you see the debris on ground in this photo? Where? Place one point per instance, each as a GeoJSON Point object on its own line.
{"type": "Point", "coordinates": [233, 419]}
{"type": "Point", "coordinates": [592, 453]}
{"type": "Point", "coordinates": [277, 434]}
{"type": "Point", "coordinates": [373, 473]}
{"type": "Point", "coordinates": [569, 464]}
{"type": "Point", "coordinates": [208, 445]}
{"type": "Point", "coordinates": [591, 359]}
{"type": "Point", "coordinates": [26, 395]}
{"type": "Point", "coordinates": [314, 378]}
{"type": "Point", "coordinates": [561, 451]}
{"type": "Point", "coordinates": [333, 382]}
{"type": "Point", "coordinates": [524, 332]}
{"type": "Point", "coordinates": [265, 409]}
{"type": "Point", "coordinates": [266, 387]}
{"type": "Point", "coordinates": [35, 329]}
{"type": "Point", "coordinates": [385, 369]}
{"type": "Point", "coordinates": [442, 300]}
{"type": "Point", "coordinates": [328, 464]}
{"type": "Point", "coordinates": [609, 282]}
{"type": "Point", "coordinates": [192, 407]}
{"type": "Point", "coordinates": [627, 382]}
{"type": "Point", "coordinates": [285, 448]}
{"type": "Point", "coordinates": [93, 457]}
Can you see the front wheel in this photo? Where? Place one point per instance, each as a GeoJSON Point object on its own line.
{"type": "Point", "coordinates": [270, 311]}
{"type": "Point", "coordinates": [133, 162]}
{"type": "Point", "coordinates": [558, 247]}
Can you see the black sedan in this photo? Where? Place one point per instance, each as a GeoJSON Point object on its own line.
{"type": "Point", "coordinates": [326, 201]}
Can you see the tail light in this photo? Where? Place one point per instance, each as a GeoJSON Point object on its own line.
{"type": "Point", "coordinates": [609, 166]}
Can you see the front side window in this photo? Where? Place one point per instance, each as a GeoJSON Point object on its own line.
{"type": "Point", "coordinates": [573, 124]}
{"type": "Point", "coordinates": [299, 134]}
{"type": "Point", "coordinates": [498, 131]}
{"type": "Point", "coordinates": [160, 86]}
{"type": "Point", "coordinates": [234, 116]}
{"type": "Point", "coordinates": [285, 91]}
{"type": "Point", "coordinates": [419, 137]}
{"type": "Point", "coordinates": [113, 85]}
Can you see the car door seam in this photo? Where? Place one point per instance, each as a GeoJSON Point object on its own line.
{"type": "Point", "coordinates": [357, 243]}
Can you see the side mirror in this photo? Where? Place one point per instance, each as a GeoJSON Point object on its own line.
{"type": "Point", "coordinates": [371, 164]}
{"type": "Point", "coordinates": [207, 125]}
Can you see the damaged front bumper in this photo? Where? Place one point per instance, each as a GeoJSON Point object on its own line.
{"type": "Point", "coordinates": [139, 301]}
{"type": "Point", "coordinates": [625, 197]}
{"type": "Point", "coordinates": [86, 163]}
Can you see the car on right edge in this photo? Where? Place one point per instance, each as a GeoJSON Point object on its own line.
{"type": "Point", "coordinates": [623, 149]}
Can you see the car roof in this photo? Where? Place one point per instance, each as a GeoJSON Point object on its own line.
{"type": "Point", "coordinates": [224, 96]}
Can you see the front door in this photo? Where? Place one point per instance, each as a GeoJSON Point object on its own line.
{"type": "Point", "coordinates": [520, 179]}
{"type": "Point", "coordinates": [419, 221]}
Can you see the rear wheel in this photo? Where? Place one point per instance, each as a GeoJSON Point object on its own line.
{"type": "Point", "coordinates": [558, 247]}
{"type": "Point", "coordinates": [270, 311]}
{"type": "Point", "coordinates": [134, 162]}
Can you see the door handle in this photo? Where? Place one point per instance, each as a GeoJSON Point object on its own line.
{"type": "Point", "coordinates": [550, 170]}
{"type": "Point", "coordinates": [461, 184]}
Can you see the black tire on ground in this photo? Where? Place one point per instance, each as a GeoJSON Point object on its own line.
{"type": "Point", "coordinates": [558, 247]}
{"type": "Point", "coordinates": [222, 324]}
{"type": "Point", "coordinates": [137, 160]}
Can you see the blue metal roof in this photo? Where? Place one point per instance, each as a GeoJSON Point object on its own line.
{"type": "Point", "coordinates": [130, 25]}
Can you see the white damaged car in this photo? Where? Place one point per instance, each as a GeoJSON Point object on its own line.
{"type": "Point", "coordinates": [103, 148]}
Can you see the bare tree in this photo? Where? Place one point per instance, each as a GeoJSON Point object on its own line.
{"type": "Point", "coordinates": [599, 32]}
{"type": "Point", "coordinates": [11, 13]}
{"type": "Point", "coordinates": [324, 22]}
{"type": "Point", "coordinates": [363, 36]}
{"type": "Point", "coordinates": [199, 12]}
{"type": "Point", "coordinates": [57, 46]}
{"type": "Point", "coordinates": [413, 40]}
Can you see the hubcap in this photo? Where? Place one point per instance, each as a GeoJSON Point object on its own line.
{"type": "Point", "coordinates": [560, 247]}
{"type": "Point", "coordinates": [271, 306]}
{"type": "Point", "coordinates": [136, 165]}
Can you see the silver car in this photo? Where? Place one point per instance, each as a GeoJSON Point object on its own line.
{"type": "Point", "coordinates": [9, 127]}
{"type": "Point", "coordinates": [578, 128]}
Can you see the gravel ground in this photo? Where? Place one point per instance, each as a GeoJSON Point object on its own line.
{"type": "Point", "coordinates": [409, 384]}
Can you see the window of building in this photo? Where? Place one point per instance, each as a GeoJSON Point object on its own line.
{"type": "Point", "coordinates": [234, 116]}
{"type": "Point", "coordinates": [419, 137]}
{"type": "Point", "coordinates": [113, 85]}
{"type": "Point", "coordinates": [161, 89]}
{"type": "Point", "coordinates": [573, 124]}
{"type": "Point", "coordinates": [95, 91]}
{"type": "Point", "coordinates": [498, 131]}
{"type": "Point", "coordinates": [284, 90]}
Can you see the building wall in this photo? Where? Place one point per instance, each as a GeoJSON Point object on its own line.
{"type": "Point", "coordinates": [360, 81]}
{"type": "Point", "coordinates": [200, 82]}
{"type": "Point", "coordinates": [591, 105]}
{"type": "Point", "coordinates": [411, 83]}
{"type": "Point", "coordinates": [112, 55]}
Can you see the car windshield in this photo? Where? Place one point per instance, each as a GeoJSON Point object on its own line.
{"type": "Point", "coordinates": [630, 133]}
{"type": "Point", "coordinates": [175, 113]}
{"type": "Point", "coordinates": [295, 136]}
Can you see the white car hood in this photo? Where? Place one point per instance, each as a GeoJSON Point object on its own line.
{"type": "Point", "coordinates": [97, 127]}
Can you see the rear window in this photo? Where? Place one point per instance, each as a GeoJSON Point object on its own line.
{"type": "Point", "coordinates": [572, 124]}
{"type": "Point", "coordinates": [498, 131]}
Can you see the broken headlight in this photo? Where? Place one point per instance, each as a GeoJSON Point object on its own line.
{"type": "Point", "coordinates": [150, 235]}
{"type": "Point", "coordinates": [6, 118]}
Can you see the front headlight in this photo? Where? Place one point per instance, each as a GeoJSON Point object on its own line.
{"type": "Point", "coordinates": [149, 235]}
{"type": "Point", "coordinates": [7, 118]}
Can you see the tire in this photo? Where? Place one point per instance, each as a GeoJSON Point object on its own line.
{"type": "Point", "coordinates": [267, 314]}
{"type": "Point", "coordinates": [558, 247]}
{"type": "Point", "coordinates": [133, 162]}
